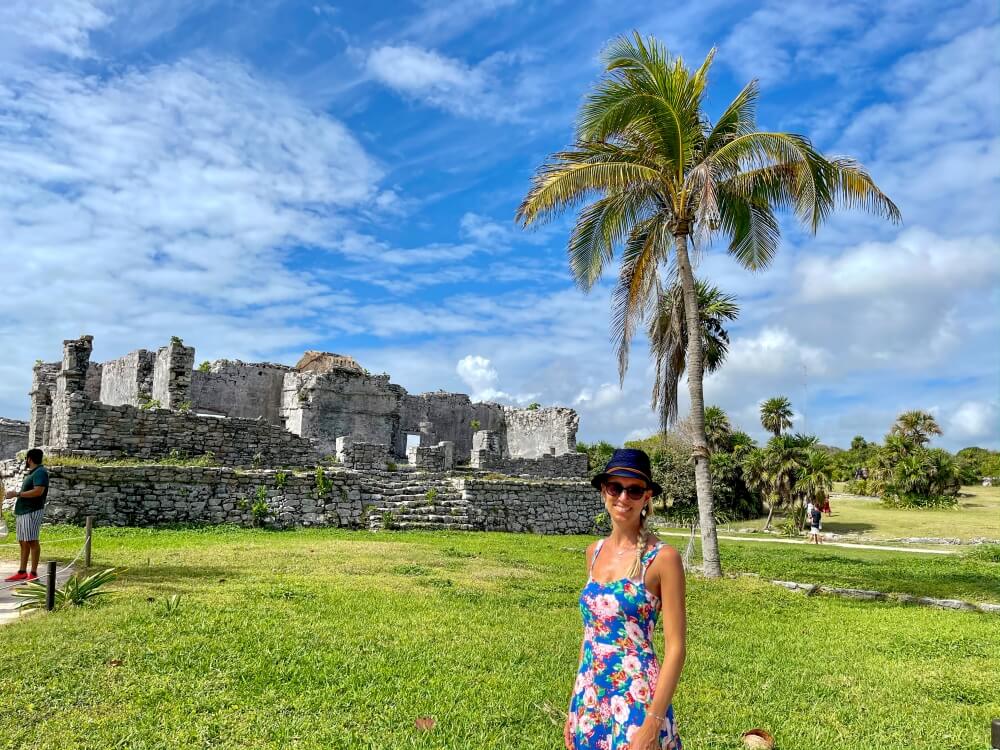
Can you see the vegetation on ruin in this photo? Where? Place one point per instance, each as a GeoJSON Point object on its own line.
{"type": "Point", "coordinates": [174, 459]}
{"type": "Point", "coordinates": [657, 177]}
{"type": "Point", "coordinates": [328, 638]}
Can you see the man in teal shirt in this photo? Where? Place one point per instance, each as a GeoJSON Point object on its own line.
{"type": "Point", "coordinates": [28, 510]}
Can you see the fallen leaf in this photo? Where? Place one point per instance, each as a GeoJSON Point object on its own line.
{"type": "Point", "coordinates": [425, 723]}
{"type": "Point", "coordinates": [115, 662]}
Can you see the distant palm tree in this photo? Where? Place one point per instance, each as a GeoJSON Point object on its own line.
{"type": "Point", "coordinates": [774, 471]}
{"type": "Point", "coordinates": [668, 342]}
{"type": "Point", "coordinates": [776, 415]}
{"type": "Point", "coordinates": [661, 178]}
{"type": "Point", "coordinates": [815, 478]}
{"type": "Point", "coordinates": [717, 429]}
{"type": "Point", "coordinates": [916, 426]}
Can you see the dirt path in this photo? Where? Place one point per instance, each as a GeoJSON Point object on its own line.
{"type": "Point", "coordinates": [881, 547]}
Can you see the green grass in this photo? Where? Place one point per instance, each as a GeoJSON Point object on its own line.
{"type": "Point", "coordinates": [336, 639]}
{"type": "Point", "coordinates": [977, 515]}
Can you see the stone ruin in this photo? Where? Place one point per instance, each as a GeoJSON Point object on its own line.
{"type": "Point", "coordinates": [385, 450]}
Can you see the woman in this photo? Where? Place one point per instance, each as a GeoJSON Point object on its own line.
{"type": "Point", "coordinates": [622, 697]}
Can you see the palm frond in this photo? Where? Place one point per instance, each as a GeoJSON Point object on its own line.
{"type": "Point", "coordinates": [739, 118]}
{"type": "Point", "coordinates": [648, 243]}
{"type": "Point", "coordinates": [854, 188]}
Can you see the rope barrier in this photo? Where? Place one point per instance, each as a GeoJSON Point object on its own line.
{"type": "Point", "coordinates": [63, 569]}
{"type": "Point", "coordinates": [46, 541]}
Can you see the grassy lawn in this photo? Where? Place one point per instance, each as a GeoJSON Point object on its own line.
{"type": "Point", "coordinates": [977, 515]}
{"type": "Point", "coordinates": [335, 639]}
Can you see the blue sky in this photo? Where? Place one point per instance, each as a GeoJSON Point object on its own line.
{"type": "Point", "coordinates": [264, 177]}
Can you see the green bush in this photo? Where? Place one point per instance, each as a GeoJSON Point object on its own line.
{"type": "Point", "coordinates": [260, 511]}
{"type": "Point", "coordinates": [989, 553]}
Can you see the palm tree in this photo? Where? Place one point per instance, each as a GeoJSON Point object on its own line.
{"type": "Point", "coordinates": [668, 344]}
{"type": "Point", "coordinates": [774, 472]}
{"type": "Point", "coordinates": [718, 431]}
{"type": "Point", "coordinates": [815, 478]}
{"type": "Point", "coordinates": [776, 415]}
{"type": "Point", "coordinates": [916, 426]}
{"type": "Point", "coordinates": [660, 178]}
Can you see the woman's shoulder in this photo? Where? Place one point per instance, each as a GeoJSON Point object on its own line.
{"type": "Point", "coordinates": [664, 552]}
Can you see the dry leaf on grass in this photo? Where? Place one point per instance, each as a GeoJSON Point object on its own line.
{"type": "Point", "coordinates": [425, 723]}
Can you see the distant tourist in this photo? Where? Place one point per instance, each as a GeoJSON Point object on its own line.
{"type": "Point", "coordinates": [28, 511]}
{"type": "Point", "coordinates": [622, 696]}
{"type": "Point", "coordinates": [815, 521]}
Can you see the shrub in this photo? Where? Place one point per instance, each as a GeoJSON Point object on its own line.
{"type": "Point", "coordinates": [185, 406]}
{"type": "Point", "coordinates": [323, 485]}
{"type": "Point", "coordinates": [76, 591]}
{"type": "Point", "coordinates": [602, 523]}
{"type": "Point", "coordinates": [391, 466]}
{"type": "Point", "coordinates": [534, 406]}
{"type": "Point", "coordinates": [260, 511]}
{"type": "Point", "coordinates": [205, 366]}
{"type": "Point", "coordinates": [388, 520]}
{"type": "Point", "coordinates": [280, 477]}
{"type": "Point", "coordinates": [150, 403]}
{"type": "Point", "coordinates": [989, 553]}
{"type": "Point", "coordinates": [474, 424]}
{"type": "Point", "coordinates": [431, 496]}
{"type": "Point", "coordinates": [598, 454]}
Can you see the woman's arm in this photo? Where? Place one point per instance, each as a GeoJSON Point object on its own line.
{"type": "Point", "coordinates": [672, 597]}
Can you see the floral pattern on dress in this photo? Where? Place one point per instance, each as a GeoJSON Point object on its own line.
{"type": "Point", "coordinates": [619, 667]}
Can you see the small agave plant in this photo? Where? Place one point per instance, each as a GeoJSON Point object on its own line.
{"type": "Point", "coordinates": [76, 591]}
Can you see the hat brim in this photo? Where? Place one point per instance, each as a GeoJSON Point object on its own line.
{"type": "Point", "coordinates": [598, 480]}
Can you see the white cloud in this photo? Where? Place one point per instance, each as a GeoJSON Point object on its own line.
{"type": "Point", "coordinates": [478, 91]}
{"type": "Point", "coordinates": [481, 377]}
{"type": "Point", "coordinates": [54, 26]}
{"type": "Point", "coordinates": [161, 201]}
{"type": "Point", "coordinates": [976, 420]}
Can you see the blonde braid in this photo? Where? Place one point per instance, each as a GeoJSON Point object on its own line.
{"type": "Point", "coordinates": [640, 546]}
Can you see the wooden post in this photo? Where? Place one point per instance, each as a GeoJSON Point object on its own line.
{"type": "Point", "coordinates": [86, 544]}
{"type": "Point", "coordinates": [50, 587]}
{"type": "Point", "coordinates": [995, 744]}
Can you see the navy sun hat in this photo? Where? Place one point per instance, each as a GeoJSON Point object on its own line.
{"type": "Point", "coordinates": [628, 462]}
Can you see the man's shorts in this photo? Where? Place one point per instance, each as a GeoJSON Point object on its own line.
{"type": "Point", "coordinates": [29, 525]}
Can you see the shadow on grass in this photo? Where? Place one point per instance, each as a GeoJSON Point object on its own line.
{"type": "Point", "coordinates": [839, 527]}
{"type": "Point", "coordinates": [160, 574]}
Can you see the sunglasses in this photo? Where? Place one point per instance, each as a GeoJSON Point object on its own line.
{"type": "Point", "coordinates": [615, 489]}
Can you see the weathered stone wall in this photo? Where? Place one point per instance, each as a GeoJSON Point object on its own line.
{"type": "Point", "coordinates": [240, 389]}
{"type": "Point", "coordinates": [43, 391]}
{"type": "Point", "coordinates": [172, 375]}
{"type": "Point", "coordinates": [541, 507]}
{"type": "Point", "coordinates": [85, 426]}
{"type": "Point", "coordinates": [532, 433]}
{"type": "Point", "coordinates": [128, 379]}
{"type": "Point", "coordinates": [13, 437]}
{"type": "Point", "coordinates": [566, 465]}
{"type": "Point", "coordinates": [440, 457]}
{"type": "Point", "coordinates": [328, 405]}
{"type": "Point", "coordinates": [152, 495]}
{"type": "Point", "coordinates": [362, 456]}
{"type": "Point", "coordinates": [451, 415]}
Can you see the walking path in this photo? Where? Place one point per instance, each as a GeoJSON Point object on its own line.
{"type": "Point", "coordinates": [8, 602]}
{"type": "Point", "coordinates": [849, 545]}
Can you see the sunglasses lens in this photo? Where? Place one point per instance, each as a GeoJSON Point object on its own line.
{"type": "Point", "coordinates": [634, 492]}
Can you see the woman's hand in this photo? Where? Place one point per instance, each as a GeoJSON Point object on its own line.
{"type": "Point", "coordinates": [568, 733]}
{"type": "Point", "coordinates": [647, 737]}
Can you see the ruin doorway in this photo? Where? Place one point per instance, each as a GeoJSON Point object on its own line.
{"type": "Point", "coordinates": [412, 440]}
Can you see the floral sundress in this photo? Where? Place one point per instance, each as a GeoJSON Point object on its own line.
{"type": "Point", "coordinates": [619, 667]}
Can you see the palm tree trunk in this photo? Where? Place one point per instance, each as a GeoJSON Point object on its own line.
{"type": "Point", "coordinates": [695, 367]}
{"type": "Point", "coordinates": [770, 515]}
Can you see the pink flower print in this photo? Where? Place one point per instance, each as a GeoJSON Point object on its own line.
{"type": "Point", "coordinates": [580, 683]}
{"type": "Point", "coordinates": [635, 632]}
{"type": "Point", "coordinates": [630, 589]}
{"type": "Point", "coordinates": [639, 689]}
{"type": "Point", "coordinates": [631, 664]}
{"type": "Point", "coordinates": [605, 606]}
{"type": "Point", "coordinates": [605, 649]}
{"type": "Point", "coordinates": [588, 678]}
{"type": "Point", "coordinates": [619, 708]}
{"type": "Point", "coordinates": [573, 720]}
{"type": "Point", "coordinates": [604, 709]}
{"type": "Point", "coordinates": [590, 697]}
{"type": "Point", "coordinates": [586, 724]}
{"type": "Point", "coordinates": [652, 673]}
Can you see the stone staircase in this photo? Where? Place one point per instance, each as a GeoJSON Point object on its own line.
{"type": "Point", "coordinates": [407, 499]}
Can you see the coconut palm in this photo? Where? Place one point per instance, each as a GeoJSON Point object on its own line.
{"type": "Point", "coordinates": [815, 477]}
{"type": "Point", "coordinates": [916, 426]}
{"type": "Point", "coordinates": [774, 472]}
{"type": "Point", "coordinates": [776, 415]}
{"type": "Point", "coordinates": [668, 344]}
{"type": "Point", "coordinates": [718, 431]}
{"type": "Point", "coordinates": [660, 179]}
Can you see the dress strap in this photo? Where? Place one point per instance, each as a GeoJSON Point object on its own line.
{"type": "Point", "coordinates": [597, 551]}
{"type": "Point", "coordinates": [648, 558]}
